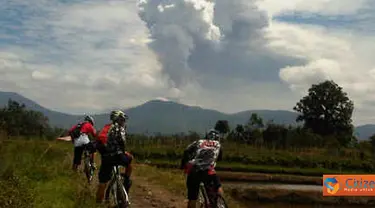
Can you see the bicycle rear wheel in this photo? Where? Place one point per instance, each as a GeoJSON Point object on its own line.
{"type": "Point", "coordinates": [220, 203]}
{"type": "Point", "coordinates": [89, 171]}
{"type": "Point", "coordinates": [202, 197]}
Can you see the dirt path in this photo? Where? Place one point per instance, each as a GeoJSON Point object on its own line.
{"type": "Point", "coordinates": [144, 194]}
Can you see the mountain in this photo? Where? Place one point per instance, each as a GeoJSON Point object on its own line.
{"type": "Point", "coordinates": [169, 117]}
{"type": "Point", "coordinates": [365, 131]}
{"type": "Point", "coordinates": [56, 118]}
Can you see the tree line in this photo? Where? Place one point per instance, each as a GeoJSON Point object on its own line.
{"type": "Point", "coordinates": [17, 121]}
{"type": "Point", "coordinates": [325, 119]}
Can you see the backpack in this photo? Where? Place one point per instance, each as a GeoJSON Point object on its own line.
{"type": "Point", "coordinates": [108, 138]}
{"type": "Point", "coordinates": [76, 131]}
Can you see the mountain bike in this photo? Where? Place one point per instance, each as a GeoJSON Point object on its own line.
{"type": "Point", "coordinates": [116, 194]}
{"type": "Point", "coordinates": [209, 198]}
{"type": "Point", "coordinates": [88, 166]}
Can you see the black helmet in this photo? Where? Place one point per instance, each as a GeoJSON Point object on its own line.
{"type": "Point", "coordinates": [89, 119]}
{"type": "Point", "coordinates": [213, 134]}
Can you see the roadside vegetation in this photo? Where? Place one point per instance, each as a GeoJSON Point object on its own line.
{"type": "Point", "coordinates": [35, 169]}
{"type": "Point", "coordinates": [322, 142]}
{"type": "Point", "coordinates": [35, 173]}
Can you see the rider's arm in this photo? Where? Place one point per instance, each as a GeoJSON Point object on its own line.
{"type": "Point", "coordinates": [190, 149]}
{"type": "Point", "coordinates": [92, 130]}
{"type": "Point", "coordinates": [220, 156]}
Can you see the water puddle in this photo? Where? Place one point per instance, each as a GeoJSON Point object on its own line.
{"type": "Point", "coordinates": [285, 205]}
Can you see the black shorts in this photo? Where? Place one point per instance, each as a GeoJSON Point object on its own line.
{"type": "Point", "coordinates": [195, 178]}
{"type": "Point", "coordinates": [105, 171]}
{"type": "Point", "coordinates": [78, 151]}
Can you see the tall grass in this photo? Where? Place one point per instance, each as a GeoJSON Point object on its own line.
{"type": "Point", "coordinates": [36, 173]}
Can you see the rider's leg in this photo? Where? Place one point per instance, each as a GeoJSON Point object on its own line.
{"type": "Point", "coordinates": [212, 179]}
{"type": "Point", "coordinates": [126, 160]}
{"type": "Point", "coordinates": [129, 168]}
{"type": "Point", "coordinates": [217, 183]}
{"type": "Point", "coordinates": [105, 174]}
{"type": "Point", "coordinates": [79, 144]}
{"type": "Point", "coordinates": [92, 160]}
{"type": "Point", "coordinates": [192, 184]}
{"type": "Point", "coordinates": [92, 154]}
{"type": "Point", "coordinates": [78, 151]}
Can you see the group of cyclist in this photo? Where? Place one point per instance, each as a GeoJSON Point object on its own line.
{"type": "Point", "coordinates": [198, 161]}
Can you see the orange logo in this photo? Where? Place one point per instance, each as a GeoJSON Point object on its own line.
{"type": "Point", "coordinates": [348, 185]}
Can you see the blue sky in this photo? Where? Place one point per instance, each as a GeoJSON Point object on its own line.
{"type": "Point", "coordinates": [86, 56]}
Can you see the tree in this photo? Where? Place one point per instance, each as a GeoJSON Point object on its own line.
{"type": "Point", "coordinates": [372, 142]}
{"type": "Point", "coordinates": [255, 121]}
{"type": "Point", "coordinates": [16, 120]}
{"type": "Point", "coordinates": [222, 126]}
{"type": "Point", "coordinates": [327, 110]}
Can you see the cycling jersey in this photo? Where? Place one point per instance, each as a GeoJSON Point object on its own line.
{"type": "Point", "coordinates": [112, 138]}
{"type": "Point", "coordinates": [203, 154]}
{"type": "Point", "coordinates": [86, 128]}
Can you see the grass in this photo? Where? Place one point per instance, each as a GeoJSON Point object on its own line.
{"type": "Point", "coordinates": [174, 181]}
{"type": "Point", "coordinates": [38, 174]}
{"type": "Point", "coordinates": [35, 173]}
{"type": "Point", "coordinates": [248, 158]}
{"type": "Point", "coordinates": [249, 168]}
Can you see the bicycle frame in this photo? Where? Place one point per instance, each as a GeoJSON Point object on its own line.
{"type": "Point", "coordinates": [116, 186]}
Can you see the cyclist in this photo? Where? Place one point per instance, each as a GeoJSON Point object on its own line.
{"type": "Point", "coordinates": [199, 161]}
{"type": "Point", "coordinates": [79, 134]}
{"type": "Point", "coordinates": [111, 145]}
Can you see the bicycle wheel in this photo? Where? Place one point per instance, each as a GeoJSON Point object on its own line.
{"type": "Point", "coordinates": [89, 172]}
{"type": "Point", "coordinates": [220, 203]}
{"type": "Point", "coordinates": [111, 194]}
{"type": "Point", "coordinates": [202, 197]}
{"type": "Point", "coordinates": [122, 196]}
{"type": "Point", "coordinates": [115, 194]}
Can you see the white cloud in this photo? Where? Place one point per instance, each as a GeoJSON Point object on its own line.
{"type": "Point", "coordinates": [96, 52]}
{"type": "Point", "coordinates": [229, 55]}
{"type": "Point", "coordinates": [324, 7]}
{"type": "Point", "coordinates": [329, 54]}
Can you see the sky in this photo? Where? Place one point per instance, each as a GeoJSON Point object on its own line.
{"type": "Point", "coordinates": [80, 56]}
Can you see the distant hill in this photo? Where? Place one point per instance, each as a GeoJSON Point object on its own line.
{"type": "Point", "coordinates": [168, 117]}
{"type": "Point", "coordinates": [56, 118]}
{"type": "Point", "coordinates": [365, 131]}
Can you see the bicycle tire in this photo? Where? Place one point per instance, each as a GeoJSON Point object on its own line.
{"type": "Point", "coordinates": [110, 191]}
{"type": "Point", "coordinates": [89, 172]}
{"type": "Point", "coordinates": [203, 193]}
{"type": "Point", "coordinates": [122, 199]}
{"type": "Point", "coordinates": [116, 189]}
{"type": "Point", "coordinates": [221, 203]}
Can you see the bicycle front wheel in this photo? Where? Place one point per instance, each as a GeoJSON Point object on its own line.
{"type": "Point", "coordinates": [122, 196]}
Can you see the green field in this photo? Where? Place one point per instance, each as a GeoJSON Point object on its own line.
{"type": "Point", "coordinates": [38, 174]}
{"type": "Point", "coordinates": [247, 158]}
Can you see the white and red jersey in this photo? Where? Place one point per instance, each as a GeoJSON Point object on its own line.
{"type": "Point", "coordinates": [206, 153]}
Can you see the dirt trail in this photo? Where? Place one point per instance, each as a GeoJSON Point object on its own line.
{"type": "Point", "coordinates": [144, 194]}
